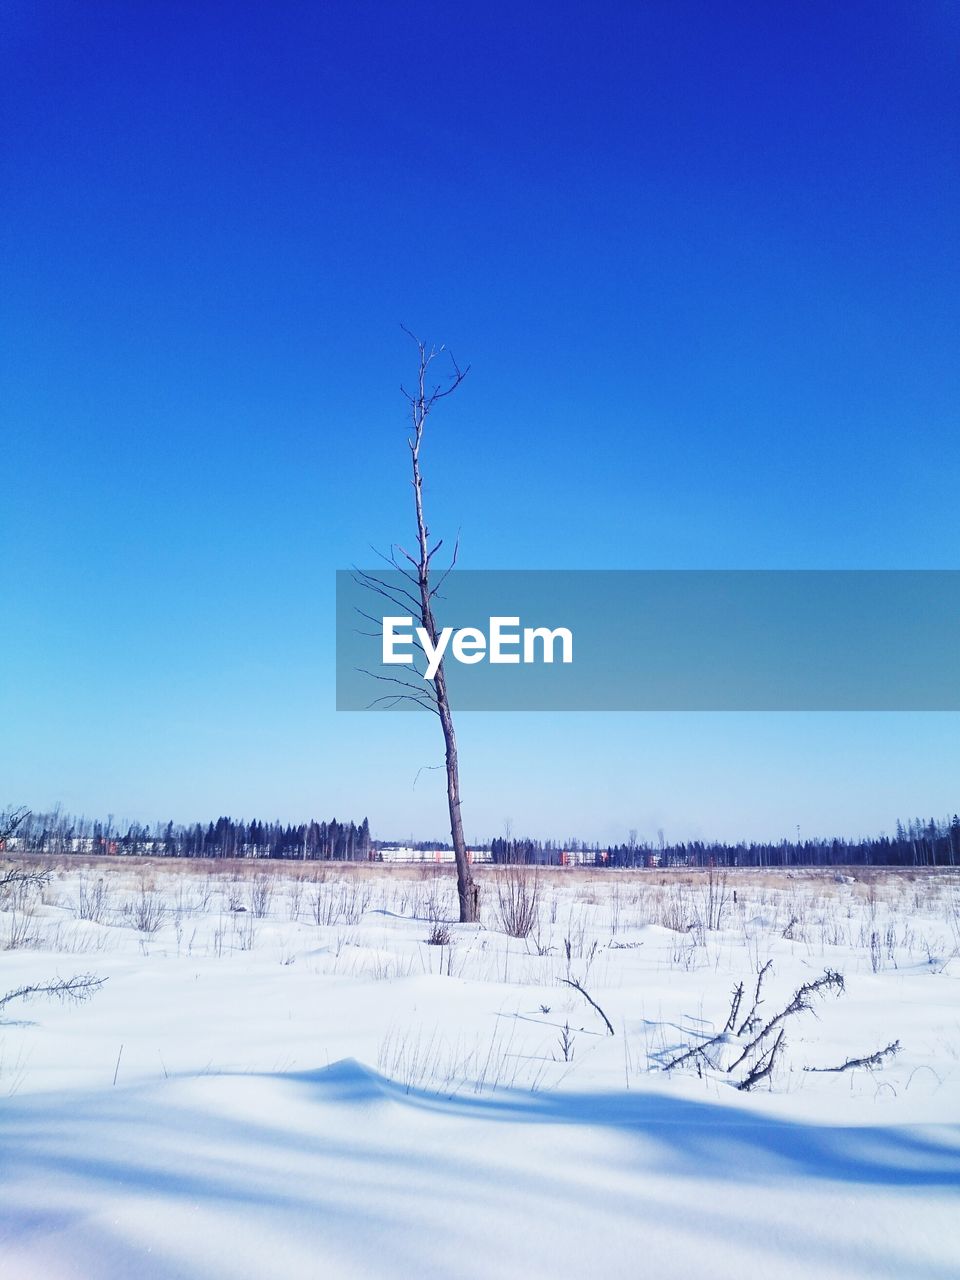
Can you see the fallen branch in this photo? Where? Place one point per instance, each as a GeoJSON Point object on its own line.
{"type": "Point", "coordinates": [799, 1004]}
{"type": "Point", "coordinates": [692, 1053]}
{"type": "Point", "coordinates": [763, 1065]}
{"type": "Point", "coordinates": [18, 878]}
{"type": "Point", "coordinates": [870, 1060]}
{"type": "Point", "coordinates": [77, 988]}
{"type": "Point", "coordinates": [751, 1020]}
{"type": "Point", "coordinates": [734, 1007]}
{"type": "Point", "coordinates": [577, 987]}
{"type": "Point", "coordinates": [705, 1044]}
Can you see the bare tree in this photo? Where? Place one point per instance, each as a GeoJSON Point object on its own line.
{"type": "Point", "coordinates": [418, 597]}
{"type": "Point", "coordinates": [10, 820]}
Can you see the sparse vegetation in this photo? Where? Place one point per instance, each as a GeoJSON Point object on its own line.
{"type": "Point", "coordinates": [752, 1046]}
{"type": "Point", "coordinates": [603, 939]}
{"type": "Point", "coordinates": [261, 895]}
{"type": "Point", "coordinates": [518, 899]}
{"type": "Point", "coordinates": [149, 910]}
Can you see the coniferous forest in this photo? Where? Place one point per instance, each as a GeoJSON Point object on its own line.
{"type": "Point", "coordinates": [60, 833]}
{"type": "Point", "coordinates": [916, 843]}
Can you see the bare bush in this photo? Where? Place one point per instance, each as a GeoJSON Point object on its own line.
{"type": "Point", "coordinates": [518, 900]}
{"type": "Point", "coordinates": [261, 895]}
{"type": "Point", "coordinates": [715, 899]}
{"type": "Point", "coordinates": [355, 897]}
{"type": "Point", "coordinates": [323, 905]}
{"type": "Point", "coordinates": [244, 932]}
{"type": "Point", "coordinates": [19, 892]}
{"type": "Point", "coordinates": [760, 1043]}
{"type": "Point", "coordinates": [93, 901]}
{"type": "Point", "coordinates": [671, 908]}
{"type": "Point", "coordinates": [416, 1061]}
{"type": "Point", "coordinates": [296, 897]}
{"type": "Point", "coordinates": [148, 910]}
{"type": "Point", "coordinates": [21, 928]}
{"type": "Point", "coordinates": [800, 1003]}
{"type": "Point", "coordinates": [339, 901]}
{"type": "Point", "coordinates": [566, 1042]}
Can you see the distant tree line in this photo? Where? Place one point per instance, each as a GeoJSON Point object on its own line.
{"type": "Point", "coordinates": [919, 843]}
{"type": "Point", "coordinates": [60, 833]}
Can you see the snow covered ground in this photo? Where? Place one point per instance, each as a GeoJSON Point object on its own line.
{"type": "Point", "coordinates": [280, 1076]}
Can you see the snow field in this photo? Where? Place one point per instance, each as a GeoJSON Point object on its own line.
{"type": "Point", "coordinates": [306, 1086]}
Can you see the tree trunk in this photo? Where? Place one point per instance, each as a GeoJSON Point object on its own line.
{"type": "Point", "coordinates": [466, 888]}
{"type": "Point", "coordinates": [421, 404]}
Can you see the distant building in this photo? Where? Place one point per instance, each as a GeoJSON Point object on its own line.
{"type": "Point", "coordinates": [404, 853]}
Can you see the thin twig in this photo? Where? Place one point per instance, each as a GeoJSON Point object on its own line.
{"type": "Point", "coordinates": [870, 1060]}
{"type": "Point", "coordinates": [570, 982]}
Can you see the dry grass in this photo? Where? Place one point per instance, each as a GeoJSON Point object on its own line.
{"type": "Point", "coordinates": [594, 880]}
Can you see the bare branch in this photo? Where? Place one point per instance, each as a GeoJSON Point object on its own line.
{"type": "Point", "coordinates": [395, 594]}
{"type": "Point", "coordinates": [390, 700]}
{"type": "Point", "coordinates": [695, 1051]}
{"type": "Point", "coordinates": [18, 877]}
{"type": "Point", "coordinates": [10, 820]}
{"type": "Point", "coordinates": [424, 768]}
{"type": "Point", "coordinates": [734, 1007]}
{"type": "Point", "coordinates": [394, 563]}
{"type": "Point", "coordinates": [570, 982]}
{"type": "Point", "coordinates": [870, 1060]}
{"type": "Point", "coordinates": [78, 988]}
{"type": "Point", "coordinates": [699, 1049]}
{"type": "Point", "coordinates": [751, 1020]}
{"type": "Point", "coordinates": [449, 569]}
{"type": "Point", "coordinates": [799, 1004]}
{"type": "Point", "coordinates": [421, 690]}
{"type": "Point", "coordinates": [378, 634]}
{"type": "Point", "coordinates": [409, 557]}
{"type": "Point", "coordinates": [763, 1066]}
{"type": "Point", "coordinates": [423, 695]}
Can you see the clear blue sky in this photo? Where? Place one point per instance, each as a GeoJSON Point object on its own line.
{"type": "Point", "coordinates": [703, 260]}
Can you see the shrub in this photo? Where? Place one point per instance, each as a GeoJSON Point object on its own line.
{"type": "Point", "coordinates": [518, 900]}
